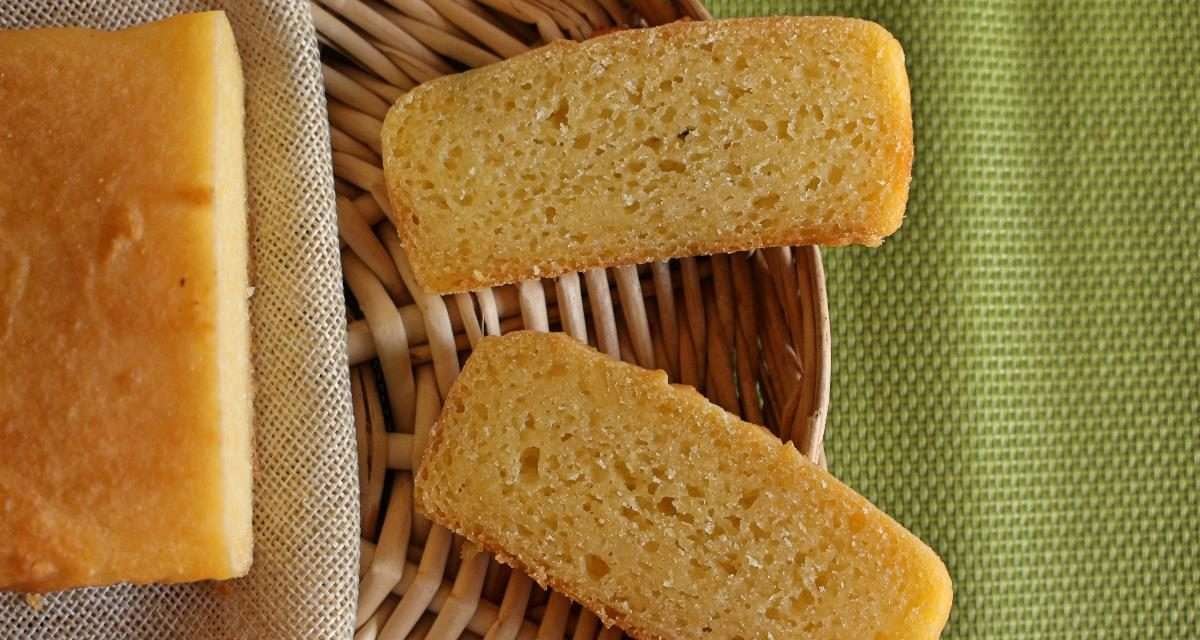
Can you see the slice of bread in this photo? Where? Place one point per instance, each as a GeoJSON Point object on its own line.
{"type": "Point", "coordinates": [126, 384]}
{"type": "Point", "coordinates": [692, 138]}
{"type": "Point", "coordinates": [660, 511]}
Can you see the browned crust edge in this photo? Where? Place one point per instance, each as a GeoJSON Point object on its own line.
{"type": "Point", "coordinates": [502, 273]}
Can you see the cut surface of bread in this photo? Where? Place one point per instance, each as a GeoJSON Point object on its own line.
{"type": "Point", "coordinates": [660, 511]}
{"type": "Point", "coordinates": [687, 139]}
{"type": "Point", "coordinates": [125, 392]}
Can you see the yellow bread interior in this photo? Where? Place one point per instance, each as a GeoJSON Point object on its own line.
{"type": "Point", "coordinates": [691, 138]}
{"type": "Point", "coordinates": [662, 512]}
{"type": "Point", "coordinates": [125, 397]}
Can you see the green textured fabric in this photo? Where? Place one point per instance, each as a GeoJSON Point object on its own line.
{"type": "Point", "coordinates": [1015, 372]}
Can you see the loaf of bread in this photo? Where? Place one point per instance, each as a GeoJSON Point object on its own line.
{"type": "Point", "coordinates": [660, 511]}
{"type": "Point", "coordinates": [687, 139]}
{"type": "Point", "coordinates": [125, 386]}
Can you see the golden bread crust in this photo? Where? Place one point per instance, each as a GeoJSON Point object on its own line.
{"type": "Point", "coordinates": [125, 391]}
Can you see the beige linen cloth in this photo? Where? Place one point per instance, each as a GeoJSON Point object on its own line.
{"type": "Point", "coordinates": [304, 578]}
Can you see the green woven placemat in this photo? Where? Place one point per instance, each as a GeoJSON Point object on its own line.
{"type": "Point", "coordinates": [1015, 372]}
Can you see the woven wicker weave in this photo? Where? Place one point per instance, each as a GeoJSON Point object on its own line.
{"type": "Point", "coordinates": [750, 330]}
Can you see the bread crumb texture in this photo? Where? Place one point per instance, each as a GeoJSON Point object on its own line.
{"type": "Point", "coordinates": [688, 139]}
{"type": "Point", "coordinates": [662, 512]}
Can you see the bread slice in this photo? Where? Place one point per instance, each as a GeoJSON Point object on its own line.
{"type": "Point", "coordinates": [687, 139]}
{"type": "Point", "coordinates": [660, 511]}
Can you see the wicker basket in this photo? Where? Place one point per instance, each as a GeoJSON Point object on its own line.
{"type": "Point", "coordinates": [750, 330]}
